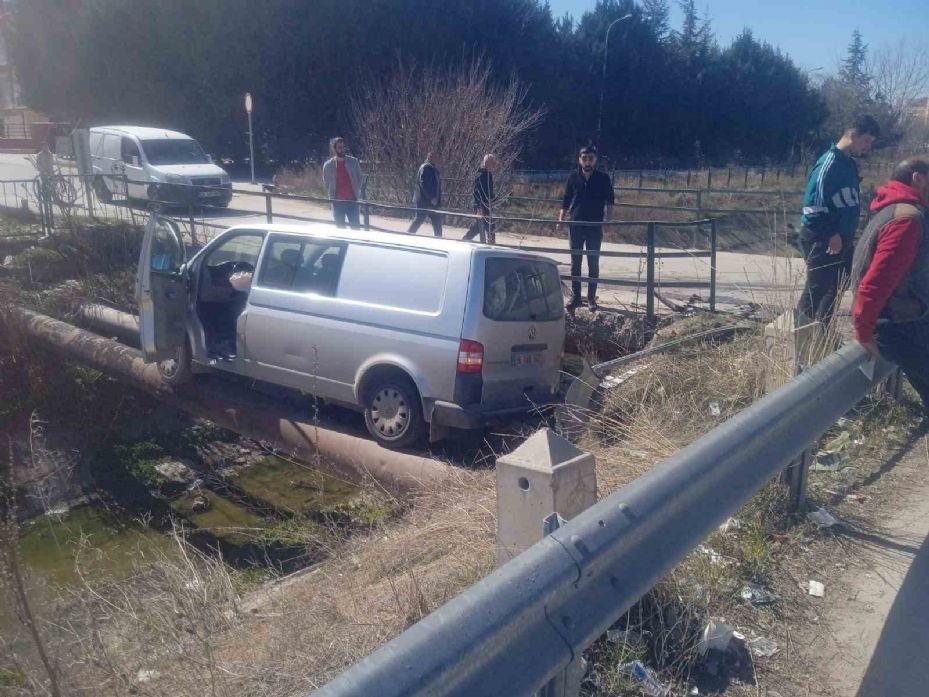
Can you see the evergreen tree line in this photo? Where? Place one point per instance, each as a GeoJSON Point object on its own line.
{"type": "Point", "coordinates": [671, 94]}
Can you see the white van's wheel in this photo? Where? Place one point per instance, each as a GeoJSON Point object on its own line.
{"type": "Point", "coordinates": [393, 411]}
{"type": "Point", "coordinates": [177, 370]}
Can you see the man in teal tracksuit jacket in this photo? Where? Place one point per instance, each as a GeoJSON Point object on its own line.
{"type": "Point", "coordinates": [831, 206]}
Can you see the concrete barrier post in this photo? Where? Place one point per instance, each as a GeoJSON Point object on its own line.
{"type": "Point", "coordinates": [545, 476]}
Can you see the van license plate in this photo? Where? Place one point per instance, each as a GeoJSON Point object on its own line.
{"type": "Point", "coordinates": [210, 194]}
{"type": "Point", "coordinates": [518, 358]}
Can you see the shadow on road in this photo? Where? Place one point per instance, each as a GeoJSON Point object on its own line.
{"type": "Point", "coordinates": [899, 665]}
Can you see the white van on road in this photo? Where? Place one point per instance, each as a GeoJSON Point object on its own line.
{"type": "Point", "coordinates": [153, 164]}
{"type": "Point", "coordinates": [415, 332]}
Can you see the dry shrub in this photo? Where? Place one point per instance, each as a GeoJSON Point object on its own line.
{"type": "Point", "coordinates": [457, 112]}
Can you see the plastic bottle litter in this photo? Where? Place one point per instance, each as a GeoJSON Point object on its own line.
{"type": "Point", "coordinates": [646, 679]}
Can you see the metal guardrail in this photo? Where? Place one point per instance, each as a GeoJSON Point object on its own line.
{"type": "Point", "coordinates": [650, 254]}
{"type": "Point", "coordinates": [512, 632]}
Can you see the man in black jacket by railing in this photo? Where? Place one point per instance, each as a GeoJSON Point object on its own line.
{"type": "Point", "coordinates": [427, 196]}
{"type": "Point", "coordinates": [587, 193]}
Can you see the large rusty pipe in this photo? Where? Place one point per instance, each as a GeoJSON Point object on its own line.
{"type": "Point", "coordinates": [235, 407]}
{"type": "Point", "coordinates": [123, 326]}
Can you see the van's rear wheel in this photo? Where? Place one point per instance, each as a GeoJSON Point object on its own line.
{"type": "Point", "coordinates": [177, 370]}
{"type": "Point", "coordinates": [393, 411]}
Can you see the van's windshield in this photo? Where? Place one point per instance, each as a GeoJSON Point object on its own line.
{"type": "Point", "coordinates": [522, 290]}
{"type": "Point", "coordinates": [175, 151]}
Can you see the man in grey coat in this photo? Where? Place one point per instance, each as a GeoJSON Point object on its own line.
{"type": "Point", "coordinates": [427, 195]}
{"type": "Point", "coordinates": [343, 179]}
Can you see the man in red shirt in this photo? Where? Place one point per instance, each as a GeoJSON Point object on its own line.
{"type": "Point", "coordinates": [344, 182]}
{"type": "Point", "coordinates": [890, 273]}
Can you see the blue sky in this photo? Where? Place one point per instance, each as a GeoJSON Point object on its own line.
{"type": "Point", "coordinates": [813, 32]}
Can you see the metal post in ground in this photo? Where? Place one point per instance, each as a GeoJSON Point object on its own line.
{"type": "Point", "coordinates": [193, 232]}
{"type": "Point", "coordinates": [745, 185]}
{"type": "Point", "coordinates": [650, 275]}
{"type": "Point", "coordinates": [269, 213]}
{"type": "Point", "coordinates": [699, 203]}
{"type": "Point", "coordinates": [367, 207]}
{"type": "Point", "coordinates": [729, 177]}
{"type": "Point", "coordinates": [712, 266]}
{"type": "Point", "coordinates": [709, 178]}
{"type": "Point", "coordinates": [763, 170]}
{"type": "Point", "coordinates": [688, 178]}
{"type": "Point", "coordinates": [640, 180]}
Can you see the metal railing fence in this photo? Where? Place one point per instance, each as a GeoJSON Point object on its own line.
{"type": "Point", "coordinates": [512, 632]}
{"type": "Point", "coordinates": [46, 198]}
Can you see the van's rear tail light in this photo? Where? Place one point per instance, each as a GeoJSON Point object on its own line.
{"type": "Point", "coordinates": [470, 356]}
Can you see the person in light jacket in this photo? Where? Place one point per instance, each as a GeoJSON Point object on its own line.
{"type": "Point", "coordinates": [427, 196]}
{"type": "Point", "coordinates": [343, 179]}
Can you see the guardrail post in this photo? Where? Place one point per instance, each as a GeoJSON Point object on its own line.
{"type": "Point", "coordinates": [746, 178]}
{"type": "Point", "coordinates": [712, 266]}
{"type": "Point", "coordinates": [269, 212]}
{"type": "Point", "coordinates": [729, 177]}
{"type": "Point", "coordinates": [699, 203]}
{"type": "Point", "coordinates": [640, 180]}
{"type": "Point", "coordinates": [709, 177]}
{"type": "Point", "coordinates": [650, 275]}
{"type": "Point", "coordinates": [542, 483]}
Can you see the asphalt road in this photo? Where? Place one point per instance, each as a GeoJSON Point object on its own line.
{"type": "Point", "coordinates": [741, 278]}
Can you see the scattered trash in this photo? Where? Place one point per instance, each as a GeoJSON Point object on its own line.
{"type": "Point", "coordinates": [762, 647]}
{"type": "Point", "coordinates": [822, 518]}
{"type": "Point", "coordinates": [858, 497]}
{"type": "Point", "coordinates": [615, 380]}
{"type": "Point", "coordinates": [714, 409]}
{"type": "Point", "coordinates": [830, 461]}
{"type": "Point", "coordinates": [146, 675]}
{"type": "Point", "coordinates": [630, 637]}
{"type": "Point", "coordinates": [646, 678]}
{"type": "Point", "coordinates": [716, 636]}
{"type": "Point", "coordinates": [694, 691]}
{"type": "Point", "coordinates": [730, 525]}
{"type": "Point", "coordinates": [817, 589]}
{"type": "Point", "coordinates": [842, 422]}
{"type": "Point", "coordinates": [715, 557]}
{"type": "Point", "coordinates": [175, 471]}
{"type": "Point", "coordinates": [756, 595]}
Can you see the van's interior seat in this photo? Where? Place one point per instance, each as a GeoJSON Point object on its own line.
{"type": "Point", "coordinates": [328, 274]}
{"type": "Point", "coordinates": [281, 272]}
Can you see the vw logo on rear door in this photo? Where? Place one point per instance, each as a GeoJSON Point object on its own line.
{"type": "Point", "coordinates": [532, 331]}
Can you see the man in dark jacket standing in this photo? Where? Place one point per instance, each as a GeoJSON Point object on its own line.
{"type": "Point", "coordinates": [587, 193]}
{"type": "Point", "coordinates": [427, 195]}
{"type": "Point", "coordinates": [484, 200]}
{"type": "Point", "coordinates": [830, 219]}
{"type": "Point", "coordinates": [890, 274]}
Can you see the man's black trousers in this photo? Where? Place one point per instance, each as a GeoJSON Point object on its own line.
{"type": "Point", "coordinates": [588, 237]}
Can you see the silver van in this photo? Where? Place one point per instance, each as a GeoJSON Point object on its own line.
{"type": "Point", "coordinates": [154, 164]}
{"type": "Point", "coordinates": [418, 333]}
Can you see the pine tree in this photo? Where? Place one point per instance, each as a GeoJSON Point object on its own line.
{"type": "Point", "coordinates": [853, 71]}
{"type": "Point", "coordinates": [657, 16]}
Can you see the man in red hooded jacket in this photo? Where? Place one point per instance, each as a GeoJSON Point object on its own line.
{"type": "Point", "coordinates": [890, 273]}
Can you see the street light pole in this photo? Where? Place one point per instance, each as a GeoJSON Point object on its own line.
{"type": "Point", "coordinates": [606, 54]}
{"type": "Point", "coordinates": [251, 145]}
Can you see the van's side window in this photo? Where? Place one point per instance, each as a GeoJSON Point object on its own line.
{"type": "Point", "coordinates": [302, 264]}
{"type": "Point", "coordinates": [130, 150]}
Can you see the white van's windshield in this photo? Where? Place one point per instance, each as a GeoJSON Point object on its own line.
{"type": "Point", "coordinates": [520, 290]}
{"type": "Point", "coordinates": [175, 151]}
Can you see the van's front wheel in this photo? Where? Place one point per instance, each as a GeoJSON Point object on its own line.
{"type": "Point", "coordinates": [393, 412]}
{"type": "Point", "coordinates": [177, 370]}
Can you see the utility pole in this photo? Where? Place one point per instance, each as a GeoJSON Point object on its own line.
{"type": "Point", "coordinates": [251, 142]}
{"type": "Point", "coordinates": [606, 54]}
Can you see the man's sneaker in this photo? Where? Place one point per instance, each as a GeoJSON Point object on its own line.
{"type": "Point", "coordinates": [592, 305]}
{"type": "Point", "coordinates": [574, 304]}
